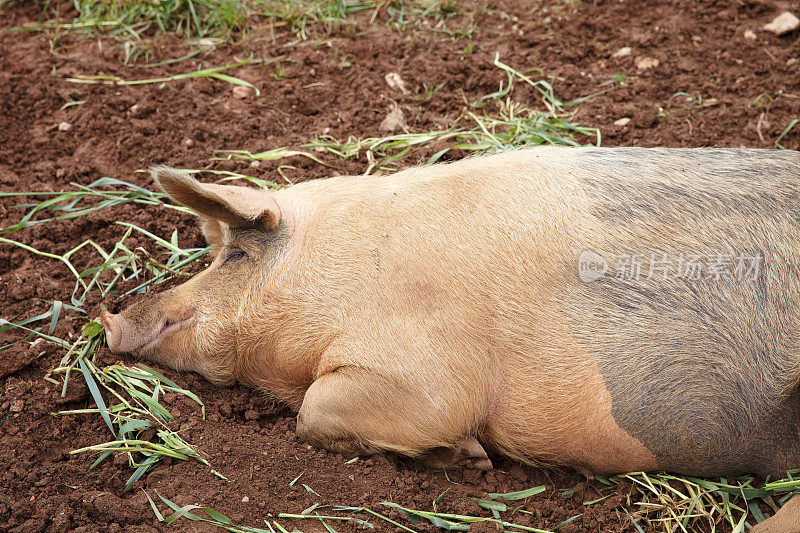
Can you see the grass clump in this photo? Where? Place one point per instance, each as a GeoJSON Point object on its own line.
{"type": "Point", "coordinates": [134, 18]}
{"type": "Point", "coordinates": [301, 17]}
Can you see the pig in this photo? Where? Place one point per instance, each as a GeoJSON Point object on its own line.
{"type": "Point", "coordinates": [608, 309]}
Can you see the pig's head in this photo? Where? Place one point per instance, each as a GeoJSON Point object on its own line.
{"type": "Point", "coordinates": [194, 326]}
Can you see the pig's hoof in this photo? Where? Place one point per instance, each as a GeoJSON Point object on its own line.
{"type": "Point", "coordinates": [466, 453]}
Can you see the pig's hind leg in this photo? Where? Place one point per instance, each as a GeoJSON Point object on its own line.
{"type": "Point", "coordinates": [354, 410]}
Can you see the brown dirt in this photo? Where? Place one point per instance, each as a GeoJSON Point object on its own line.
{"type": "Point", "coordinates": [701, 48]}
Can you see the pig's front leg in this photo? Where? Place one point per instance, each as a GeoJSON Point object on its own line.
{"type": "Point", "coordinates": [354, 410]}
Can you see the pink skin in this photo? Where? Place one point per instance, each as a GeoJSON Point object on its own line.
{"type": "Point", "coordinates": [123, 338]}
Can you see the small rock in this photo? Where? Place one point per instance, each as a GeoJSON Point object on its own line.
{"type": "Point", "coordinates": [245, 500]}
{"type": "Point", "coordinates": [625, 51]}
{"type": "Point", "coordinates": [644, 63]}
{"type": "Point", "coordinates": [397, 83]}
{"type": "Point", "coordinates": [750, 35]}
{"type": "Point", "coordinates": [187, 142]}
{"type": "Point", "coordinates": [241, 92]}
{"type": "Point", "coordinates": [791, 61]}
{"type": "Point", "coordinates": [255, 164]}
{"type": "Point", "coordinates": [395, 120]}
{"type": "Point", "coordinates": [64, 126]}
{"type": "Point", "coordinates": [783, 23]}
{"type": "Point", "coordinates": [622, 121]}
{"type": "Point", "coordinates": [17, 406]}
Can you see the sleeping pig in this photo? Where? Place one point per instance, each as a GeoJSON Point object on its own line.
{"type": "Point", "coordinates": [614, 310]}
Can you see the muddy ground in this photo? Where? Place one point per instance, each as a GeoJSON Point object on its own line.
{"type": "Point", "coordinates": [745, 90]}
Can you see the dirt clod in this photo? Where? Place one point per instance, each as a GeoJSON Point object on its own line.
{"type": "Point", "coordinates": [395, 120]}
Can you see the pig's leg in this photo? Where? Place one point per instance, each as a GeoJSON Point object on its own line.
{"type": "Point", "coordinates": [466, 452]}
{"type": "Point", "coordinates": [354, 410]}
{"type": "Point", "coordinates": [786, 520]}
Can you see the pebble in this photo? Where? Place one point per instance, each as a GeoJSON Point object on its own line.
{"type": "Point", "coordinates": [625, 51]}
{"type": "Point", "coordinates": [750, 35]}
{"type": "Point", "coordinates": [622, 121]}
{"type": "Point", "coordinates": [644, 63]}
{"type": "Point", "coordinates": [240, 91]}
{"type": "Point", "coordinates": [64, 126]}
{"type": "Point", "coordinates": [784, 23]}
{"type": "Point", "coordinates": [17, 406]}
{"type": "Point", "coordinates": [245, 500]}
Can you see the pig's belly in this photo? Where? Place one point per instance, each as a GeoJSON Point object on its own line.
{"type": "Point", "coordinates": [550, 404]}
{"type": "Point", "coordinates": [578, 431]}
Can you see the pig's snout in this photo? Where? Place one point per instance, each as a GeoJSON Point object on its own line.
{"type": "Point", "coordinates": [113, 330]}
{"type": "Point", "coordinates": [125, 336]}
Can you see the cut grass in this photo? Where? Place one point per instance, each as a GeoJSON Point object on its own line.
{"type": "Point", "coordinates": [137, 419]}
{"type": "Point", "coordinates": [667, 502]}
{"type": "Point", "coordinates": [656, 502]}
{"type": "Point", "coordinates": [212, 72]}
{"type": "Point", "coordinates": [492, 123]}
{"type": "Point", "coordinates": [138, 411]}
{"type": "Point", "coordinates": [446, 521]}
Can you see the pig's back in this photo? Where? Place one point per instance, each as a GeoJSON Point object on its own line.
{"type": "Point", "coordinates": [694, 326]}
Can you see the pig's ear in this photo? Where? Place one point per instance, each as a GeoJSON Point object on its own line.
{"type": "Point", "coordinates": [212, 231]}
{"type": "Point", "coordinates": [235, 206]}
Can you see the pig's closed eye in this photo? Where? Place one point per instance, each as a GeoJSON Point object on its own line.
{"type": "Point", "coordinates": [235, 256]}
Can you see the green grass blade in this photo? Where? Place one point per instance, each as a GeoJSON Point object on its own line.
{"type": "Point", "coordinates": [98, 398]}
